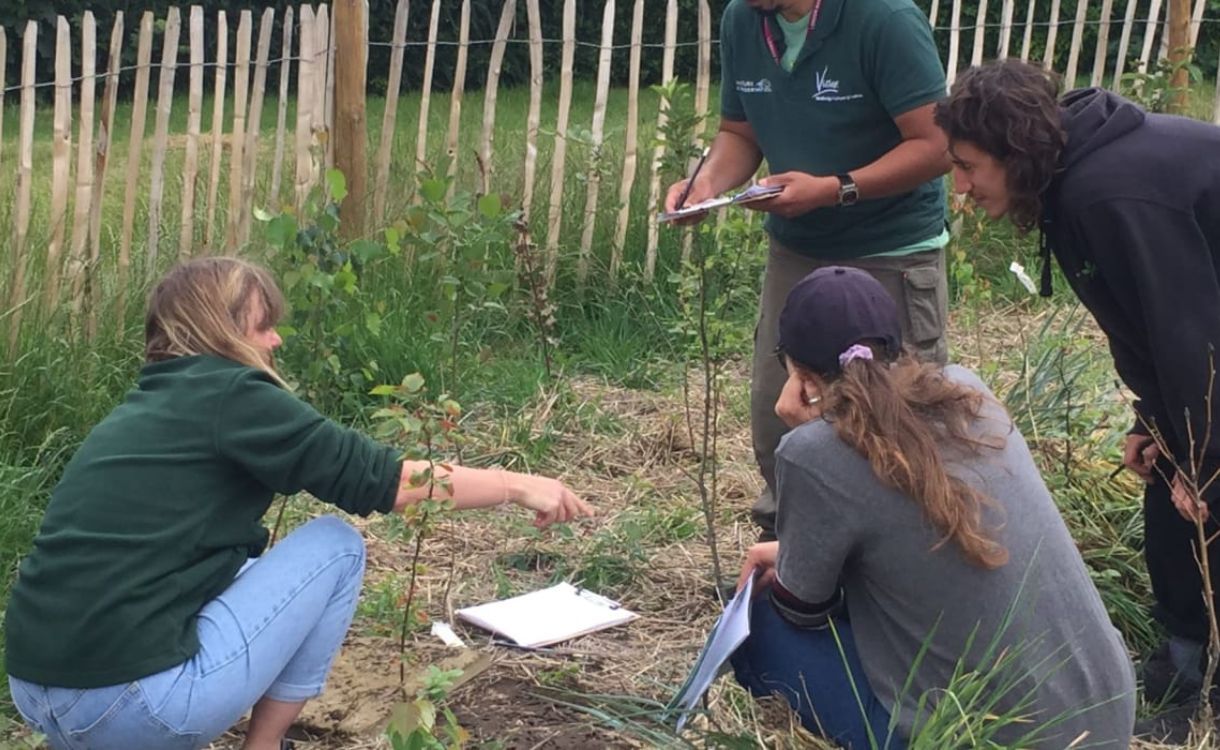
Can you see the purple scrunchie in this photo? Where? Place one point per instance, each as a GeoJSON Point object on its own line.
{"type": "Point", "coordinates": [855, 351]}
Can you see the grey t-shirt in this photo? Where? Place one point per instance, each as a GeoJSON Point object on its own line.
{"type": "Point", "coordinates": [838, 524]}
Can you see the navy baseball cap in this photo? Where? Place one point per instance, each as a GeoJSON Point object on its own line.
{"type": "Point", "coordinates": [830, 310]}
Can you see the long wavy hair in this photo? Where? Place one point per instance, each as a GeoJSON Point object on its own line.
{"type": "Point", "coordinates": [203, 306]}
{"type": "Point", "coordinates": [1010, 110]}
{"type": "Point", "coordinates": [903, 417]}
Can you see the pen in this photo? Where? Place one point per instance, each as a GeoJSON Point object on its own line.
{"type": "Point", "coordinates": [691, 182]}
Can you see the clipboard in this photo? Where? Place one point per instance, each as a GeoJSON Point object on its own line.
{"type": "Point", "coordinates": [729, 632]}
{"type": "Point", "coordinates": [549, 616]}
{"type": "Point", "coordinates": [751, 194]}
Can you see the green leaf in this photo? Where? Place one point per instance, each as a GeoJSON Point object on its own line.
{"type": "Point", "coordinates": [383, 390]}
{"type": "Point", "coordinates": [261, 214]}
{"type": "Point", "coordinates": [433, 190]}
{"type": "Point", "coordinates": [489, 205]}
{"type": "Point", "coordinates": [346, 280]}
{"type": "Point", "coordinates": [336, 183]}
{"type": "Point", "coordinates": [366, 250]}
{"type": "Point", "coordinates": [372, 322]}
{"type": "Point", "coordinates": [282, 231]}
{"type": "Point", "coordinates": [413, 383]}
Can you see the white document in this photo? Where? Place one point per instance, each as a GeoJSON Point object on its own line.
{"type": "Point", "coordinates": [729, 632]}
{"type": "Point", "coordinates": [548, 616]}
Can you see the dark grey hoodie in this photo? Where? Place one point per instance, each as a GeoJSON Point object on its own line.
{"type": "Point", "coordinates": [1133, 218]}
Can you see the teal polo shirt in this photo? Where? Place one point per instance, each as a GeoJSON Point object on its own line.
{"type": "Point", "coordinates": [865, 63]}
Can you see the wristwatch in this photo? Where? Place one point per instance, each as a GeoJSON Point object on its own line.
{"type": "Point", "coordinates": [848, 192]}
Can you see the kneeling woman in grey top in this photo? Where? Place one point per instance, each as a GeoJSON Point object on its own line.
{"type": "Point", "coordinates": [917, 540]}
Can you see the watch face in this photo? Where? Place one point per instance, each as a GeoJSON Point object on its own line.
{"type": "Point", "coordinates": [848, 192]}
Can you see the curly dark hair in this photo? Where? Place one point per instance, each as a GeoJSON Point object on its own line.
{"type": "Point", "coordinates": [1010, 110]}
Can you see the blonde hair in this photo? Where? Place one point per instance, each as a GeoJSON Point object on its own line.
{"type": "Point", "coordinates": [203, 307]}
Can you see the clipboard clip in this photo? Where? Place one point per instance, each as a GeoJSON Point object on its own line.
{"type": "Point", "coordinates": [589, 596]}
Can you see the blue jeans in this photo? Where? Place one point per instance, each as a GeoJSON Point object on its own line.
{"type": "Point", "coordinates": [809, 668]}
{"type": "Point", "coordinates": [273, 633]}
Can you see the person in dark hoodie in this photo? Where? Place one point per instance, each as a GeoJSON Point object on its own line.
{"type": "Point", "coordinates": [1129, 204]}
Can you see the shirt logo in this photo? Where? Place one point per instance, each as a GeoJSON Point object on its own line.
{"type": "Point", "coordinates": [826, 89]}
{"type": "Point", "coordinates": [761, 86]}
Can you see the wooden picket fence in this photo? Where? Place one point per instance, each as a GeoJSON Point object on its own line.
{"type": "Point", "coordinates": [80, 267]}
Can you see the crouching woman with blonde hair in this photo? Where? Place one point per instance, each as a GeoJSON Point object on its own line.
{"type": "Point", "coordinates": [918, 541]}
{"type": "Point", "coordinates": [149, 613]}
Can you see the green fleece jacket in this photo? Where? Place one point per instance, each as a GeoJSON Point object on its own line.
{"type": "Point", "coordinates": [160, 507]}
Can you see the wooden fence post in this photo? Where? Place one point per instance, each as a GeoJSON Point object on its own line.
{"type": "Point", "coordinates": [165, 102]}
{"type": "Point", "coordinates": [425, 96]}
{"type": "Point", "coordinates": [486, 164]}
{"type": "Point", "coordinates": [25, 173]}
{"type": "Point", "coordinates": [3, 77]}
{"type": "Point", "coordinates": [84, 160]}
{"type": "Point", "coordinates": [703, 77]}
{"type": "Point", "coordinates": [194, 121]}
{"type": "Point", "coordinates": [1124, 41]}
{"type": "Point", "coordinates": [455, 100]}
{"type": "Point", "coordinates": [320, 121]}
{"type": "Point", "coordinates": [1027, 35]}
{"type": "Point", "coordinates": [1196, 20]}
{"type": "Point", "coordinates": [254, 123]}
{"type": "Point", "coordinates": [1005, 30]}
{"type": "Point", "coordinates": [281, 117]}
{"type": "Point", "coordinates": [560, 152]}
{"type": "Point", "coordinates": [534, 114]}
{"type": "Point", "coordinates": [306, 91]}
{"type": "Point", "coordinates": [237, 140]}
{"type": "Point", "coordinates": [135, 153]}
{"type": "Point", "coordinates": [1048, 59]}
{"type": "Point", "coordinates": [1154, 14]}
{"type": "Point", "coordinates": [1103, 44]}
{"type": "Point", "coordinates": [1216, 113]}
{"type": "Point", "coordinates": [654, 188]}
{"type": "Point", "coordinates": [104, 139]}
{"type": "Point", "coordinates": [328, 29]}
{"type": "Point", "coordinates": [389, 118]}
{"type": "Point", "coordinates": [955, 31]}
{"type": "Point", "coordinates": [218, 114]}
{"type": "Point", "coordinates": [351, 133]}
{"type": "Point", "coordinates": [980, 33]}
{"type": "Point", "coordinates": [1082, 11]}
{"type": "Point", "coordinates": [593, 189]}
{"type": "Point", "coordinates": [61, 165]}
{"type": "Point", "coordinates": [631, 142]}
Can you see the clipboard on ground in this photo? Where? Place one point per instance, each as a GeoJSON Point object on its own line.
{"type": "Point", "coordinates": [549, 616]}
{"type": "Point", "coordinates": [752, 194]}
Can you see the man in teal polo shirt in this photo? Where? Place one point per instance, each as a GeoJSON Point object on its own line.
{"type": "Point", "coordinates": [838, 97]}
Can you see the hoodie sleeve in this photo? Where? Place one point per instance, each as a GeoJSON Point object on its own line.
{"type": "Point", "coordinates": [1156, 262]}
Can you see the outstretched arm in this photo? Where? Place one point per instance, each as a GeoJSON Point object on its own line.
{"type": "Point", "coordinates": [550, 500]}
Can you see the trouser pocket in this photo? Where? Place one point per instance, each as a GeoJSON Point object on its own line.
{"type": "Point", "coordinates": [120, 718]}
{"type": "Point", "coordinates": [924, 305]}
